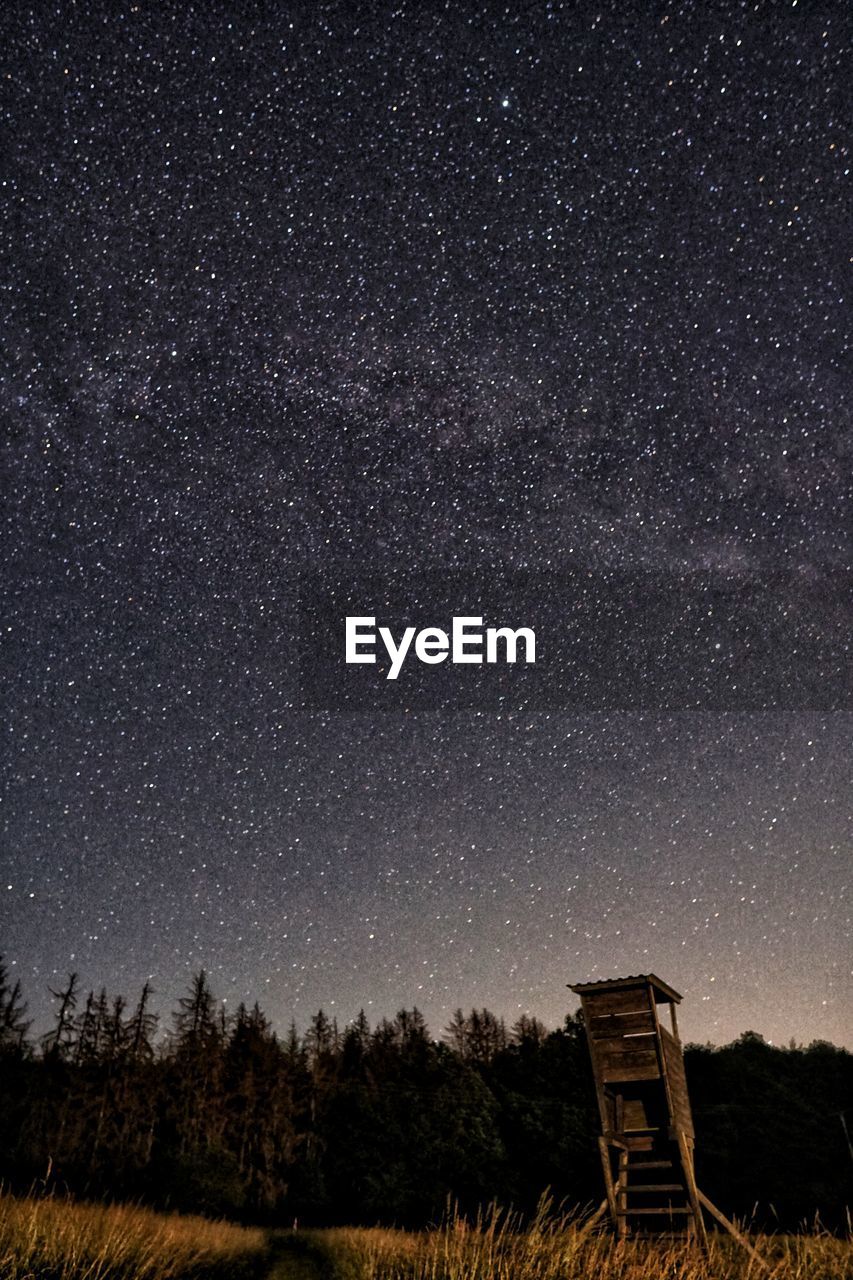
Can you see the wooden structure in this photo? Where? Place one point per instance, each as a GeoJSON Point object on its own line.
{"type": "Point", "coordinates": [647, 1139]}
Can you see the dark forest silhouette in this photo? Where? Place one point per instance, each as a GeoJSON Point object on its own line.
{"type": "Point", "coordinates": [221, 1115]}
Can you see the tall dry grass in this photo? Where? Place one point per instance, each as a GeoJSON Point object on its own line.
{"type": "Point", "coordinates": [56, 1239]}
{"type": "Point", "coordinates": [570, 1248]}
{"type": "Point", "coordinates": [59, 1240]}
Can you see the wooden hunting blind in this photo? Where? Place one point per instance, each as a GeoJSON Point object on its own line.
{"type": "Point", "coordinates": [647, 1138]}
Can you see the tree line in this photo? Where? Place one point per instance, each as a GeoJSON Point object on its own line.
{"type": "Point", "coordinates": [218, 1113]}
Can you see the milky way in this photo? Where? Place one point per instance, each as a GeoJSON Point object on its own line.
{"type": "Point", "coordinates": [294, 292]}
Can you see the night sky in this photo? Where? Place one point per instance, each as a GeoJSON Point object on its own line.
{"type": "Point", "coordinates": [497, 294]}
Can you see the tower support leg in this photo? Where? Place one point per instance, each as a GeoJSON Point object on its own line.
{"type": "Point", "coordinates": [733, 1231]}
{"type": "Point", "coordinates": [604, 1152]}
{"type": "Point", "coordinates": [692, 1191]}
{"type": "Point", "coordinates": [622, 1196]}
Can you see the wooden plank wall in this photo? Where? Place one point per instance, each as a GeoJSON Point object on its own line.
{"type": "Point", "coordinates": [630, 999]}
{"type": "Point", "coordinates": [682, 1117]}
{"type": "Point", "coordinates": [621, 1061]}
{"type": "Point", "coordinates": [622, 1035]}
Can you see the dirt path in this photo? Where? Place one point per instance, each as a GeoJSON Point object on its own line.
{"type": "Point", "coordinates": [294, 1258]}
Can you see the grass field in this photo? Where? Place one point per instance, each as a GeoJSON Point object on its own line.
{"type": "Point", "coordinates": [567, 1248]}
{"type": "Point", "coordinates": [61, 1240]}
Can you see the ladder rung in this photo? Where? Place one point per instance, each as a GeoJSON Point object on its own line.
{"type": "Point", "coordinates": [650, 1164]}
{"type": "Point", "coordinates": [656, 1186]}
{"type": "Point", "coordinates": [662, 1212]}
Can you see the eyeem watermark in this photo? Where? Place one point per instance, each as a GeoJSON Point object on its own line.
{"type": "Point", "coordinates": [464, 643]}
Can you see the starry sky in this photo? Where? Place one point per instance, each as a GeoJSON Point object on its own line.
{"type": "Point", "coordinates": [514, 296]}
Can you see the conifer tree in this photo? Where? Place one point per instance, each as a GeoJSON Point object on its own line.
{"type": "Point", "coordinates": [59, 1042]}
{"type": "Point", "coordinates": [13, 1014]}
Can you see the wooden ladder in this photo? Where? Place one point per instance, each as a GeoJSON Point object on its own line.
{"type": "Point", "coordinates": [653, 1194]}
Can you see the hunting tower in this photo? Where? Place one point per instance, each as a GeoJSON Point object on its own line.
{"type": "Point", "coordinates": [647, 1131]}
{"type": "Point", "coordinates": [647, 1141]}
